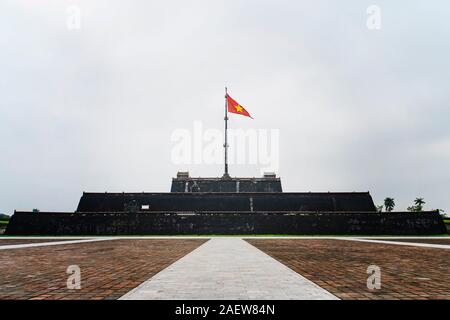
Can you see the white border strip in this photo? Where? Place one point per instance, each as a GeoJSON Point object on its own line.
{"type": "Point", "coordinates": [398, 243]}
{"type": "Point", "coordinates": [46, 244]}
{"type": "Point", "coordinates": [222, 236]}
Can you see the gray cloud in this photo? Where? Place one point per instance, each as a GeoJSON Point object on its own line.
{"type": "Point", "coordinates": [94, 109]}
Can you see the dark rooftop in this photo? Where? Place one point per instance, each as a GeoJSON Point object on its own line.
{"type": "Point", "coordinates": [226, 194]}
{"type": "Point", "coordinates": [227, 201]}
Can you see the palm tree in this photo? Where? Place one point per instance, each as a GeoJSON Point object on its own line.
{"type": "Point", "coordinates": [419, 202]}
{"type": "Point", "coordinates": [389, 204]}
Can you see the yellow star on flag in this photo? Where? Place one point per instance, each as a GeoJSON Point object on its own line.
{"type": "Point", "coordinates": [234, 107]}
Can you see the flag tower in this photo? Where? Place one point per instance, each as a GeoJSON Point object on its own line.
{"type": "Point", "coordinates": [225, 145]}
{"type": "Point", "coordinates": [232, 106]}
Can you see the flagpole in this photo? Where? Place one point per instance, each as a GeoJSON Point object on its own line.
{"type": "Point", "coordinates": [225, 145]}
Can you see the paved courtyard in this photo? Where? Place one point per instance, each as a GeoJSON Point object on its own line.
{"type": "Point", "coordinates": [340, 266]}
{"type": "Point", "coordinates": [224, 268]}
{"type": "Point", "coordinates": [109, 269]}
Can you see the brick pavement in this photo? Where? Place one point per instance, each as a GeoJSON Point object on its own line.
{"type": "Point", "coordinates": [340, 267]}
{"type": "Point", "coordinates": [109, 269]}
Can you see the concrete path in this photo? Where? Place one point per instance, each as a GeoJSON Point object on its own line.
{"type": "Point", "coordinates": [54, 243]}
{"type": "Point", "coordinates": [228, 268]}
{"type": "Point", "coordinates": [398, 243]}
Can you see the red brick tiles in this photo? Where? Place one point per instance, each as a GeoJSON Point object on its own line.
{"type": "Point", "coordinates": [340, 267]}
{"type": "Point", "coordinates": [109, 269]}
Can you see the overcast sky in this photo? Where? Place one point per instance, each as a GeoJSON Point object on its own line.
{"type": "Point", "coordinates": [93, 109]}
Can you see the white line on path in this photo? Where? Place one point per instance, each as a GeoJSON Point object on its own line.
{"type": "Point", "coordinates": [54, 243]}
{"type": "Point", "coordinates": [398, 243]}
{"type": "Point", "coordinates": [228, 268]}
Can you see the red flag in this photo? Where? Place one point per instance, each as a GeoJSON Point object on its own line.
{"type": "Point", "coordinates": [235, 107]}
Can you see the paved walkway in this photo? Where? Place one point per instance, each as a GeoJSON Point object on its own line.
{"type": "Point", "coordinates": [228, 268]}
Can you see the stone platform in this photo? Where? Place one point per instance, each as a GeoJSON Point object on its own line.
{"type": "Point", "coordinates": [225, 267]}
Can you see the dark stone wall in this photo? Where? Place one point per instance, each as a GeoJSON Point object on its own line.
{"type": "Point", "coordinates": [42, 223]}
{"type": "Point", "coordinates": [308, 201]}
{"type": "Point", "coordinates": [226, 185]}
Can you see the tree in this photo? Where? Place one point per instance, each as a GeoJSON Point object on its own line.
{"type": "Point", "coordinates": [418, 205]}
{"type": "Point", "coordinates": [389, 204]}
{"type": "Point", "coordinates": [442, 212]}
{"type": "Point", "coordinates": [419, 202]}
